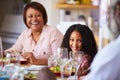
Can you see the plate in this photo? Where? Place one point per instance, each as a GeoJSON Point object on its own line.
{"type": "Point", "coordinates": [30, 76]}
{"type": "Point", "coordinates": [35, 67]}
{"type": "Point", "coordinates": [3, 76]}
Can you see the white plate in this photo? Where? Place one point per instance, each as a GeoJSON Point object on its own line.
{"type": "Point", "coordinates": [35, 67]}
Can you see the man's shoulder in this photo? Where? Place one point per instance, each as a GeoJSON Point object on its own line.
{"type": "Point", "coordinates": [109, 51]}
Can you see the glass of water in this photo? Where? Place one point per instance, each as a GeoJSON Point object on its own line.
{"type": "Point", "coordinates": [76, 61]}
{"type": "Point", "coordinates": [62, 59]}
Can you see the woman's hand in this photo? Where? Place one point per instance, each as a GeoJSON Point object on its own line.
{"type": "Point", "coordinates": [30, 57]}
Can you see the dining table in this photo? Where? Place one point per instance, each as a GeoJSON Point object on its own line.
{"type": "Point", "coordinates": [25, 67]}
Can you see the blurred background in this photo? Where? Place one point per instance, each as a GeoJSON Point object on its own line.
{"type": "Point", "coordinates": [61, 14]}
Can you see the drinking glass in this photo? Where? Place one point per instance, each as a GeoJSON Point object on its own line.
{"type": "Point", "coordinates": [68, 68]}
{"type": "Point", "coordinates": [17, 58]}
{"type": "Point", "coordinates": [8, 58]}
{"type": "Point", "coordinates": [51, 61]}
{"type": "Point", "coordinates": [62, 59]}
{"type": "Point", "coordinates": [1, 54]}
{"type": "Point", "coordinates": [76, 60]}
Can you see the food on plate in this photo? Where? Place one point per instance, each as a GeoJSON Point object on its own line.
{"type": "Point", "coordinates": [30, 75]}
{"type": "Point", "coordinates": [55, 69]}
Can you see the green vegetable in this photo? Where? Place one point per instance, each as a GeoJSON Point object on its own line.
{"type": "Point", "coordinates": [30, 75]}
{"type": "Point", "coordinates": [55, 69]}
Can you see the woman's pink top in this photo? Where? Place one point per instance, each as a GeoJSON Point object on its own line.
{"type": "Point", "coordinates": [50, 39]}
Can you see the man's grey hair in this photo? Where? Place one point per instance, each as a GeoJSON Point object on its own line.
{"type": "Point", "coordinates": [114, 31]}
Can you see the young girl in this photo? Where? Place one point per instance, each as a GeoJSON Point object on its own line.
{"type": "Point", "coordinates": [80, 38]}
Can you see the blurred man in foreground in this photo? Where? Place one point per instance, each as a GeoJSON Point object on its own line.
{"type": "Point", "coordinates": [105, 65]}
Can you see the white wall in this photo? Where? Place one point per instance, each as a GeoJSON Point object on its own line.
{"type": "Point", "coordinates": [5, 9]}
{"type": "Point", "coordinates": [52, 11]}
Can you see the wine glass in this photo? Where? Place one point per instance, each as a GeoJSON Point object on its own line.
{"type": "Point", "coordinates": [62, 59]}
{"type": "Point", "coordinates": [68, 68]}
{"type": "Point", "coordinates": [51, 61]}
{"type": "Point", "coordinates": [76, 60]}
{"type": "Point", "coordinates": [17, 59]}
{"type": "Point", "coordinates": [1, 54]}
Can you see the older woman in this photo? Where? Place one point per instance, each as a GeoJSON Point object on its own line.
{"type": "Point", "coordinates": [39, 39]}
